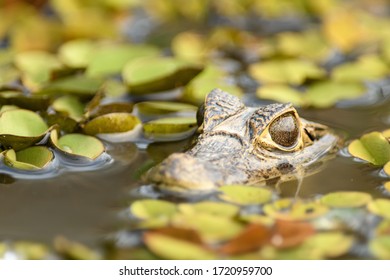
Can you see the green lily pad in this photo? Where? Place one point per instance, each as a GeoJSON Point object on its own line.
{"type": "Point", "coordinates": [78, 85]}
{"type": "Point", "coordinates": [36, 67]}
{"type": "Point", "coordinates": [245, 195]}
{"type": "Point", "coordinates": [69, 105]}
{"type": "Point", "coordinates": [111, 59]}
{"type": "Point", "coordinates": [211, 228]}
{"type": "Point", "coordinates": [170, 127]}
{"type": "Point", "coordinates": [61, 121]}
{"type": "Point", "coordinates": [347, 199]}
{"type": "Point", "coordinates": [163, 107]}
{"type": "Point", "coordinates": [282, 94]}
{"type": "Point", "coordinates": [368, 67]}
{"type": "Point", "coordinates": [380, 207]}
{"type": "Point", "coordinates": [32, 158]}
{"type": "Point", "coordinates": [290, 71]}
{"type": "Point", "coordinates": [31, 250]}
{"type": "Point", "coordinates": [76, 53]}
{"type": "Point", "coordinates": [5, 108]}
{"type": "Point", "coordinates": [372, 147]}
{"type": "Point", "coordinates": [111, 123]}
{"type": "Point", "coordinates": [330, 244]}
{"type": "Point", "coordinates": [120, 107]}
{"type": "Point", "coordinates": [32, 102]}
{"type": "Point", "coordinates": [74, 250]}
{"type": "Point", "coordinates": [21, 128]}
{"type": "Point", "coordinates": [300, 252]}
{"type": "Point", "coordinates": [8, 75]}
{"type": "Point", "coordinates": [210, 207]}
{"type": "Point", "coordinates": [291, 210]}
{"type": "Point", "coordinates": [163, 245]}
{"type": "Point", "coordinates": [380, 247]}
{"type": "Point", "coordinates": [78, 145]}
{"type": "Point", "coordinates": [327, 93]}
{"type": "Point", "coordinates": [150, 75]}
{"type": "Point", "coordinates": [150, 208]}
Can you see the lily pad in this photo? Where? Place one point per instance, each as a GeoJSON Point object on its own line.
{"type": "Point", "coordinates": [150, 75]}
{"type": "Point", "coordinates": [386, 168]}
{"type": "Point", "coordinates": [120, 107]}
{"type": "Point", "coordinates": [32, 158]}
{"type": "Point", "coordinates": [162, 245]}
{"type": "Point", "coordinates": [150, 208]}
{"type": "Point", "coordinates": [211, 228]}
{"type": "Point", "coordinates": [372, 147]}
{"type": "Point", "coordinates": [111, 59]}
{"type": "Point", "coordinates": [347, 199]}
{"type": "Point", "coordinates": [330, 244]}
{"type": "Point", "coordinates": [380, 247]}
{"type": "Point", "coordinates": [380, 207]}
{"type": "Point", "coordinates": [74, 250]}
{"type": "Point", "coordinates": [21, 128]}
{"type": "Point", "coordinates": [257, 219]}
{"type": "Point", "coordinates": [167, 128]}
{"type": "Point", "coordinates": [31, 250]}
{"type": "Point", "coordinates": [245, 195]}
{"type": "Point", "coordinates": [163, 107]}
{"type": "Point", "coordinates": [78, 145]}
{"type": "Point", "coordinates": [70, 105]}
{"type": "Point", "coordinates": [282, 94]}
{"type": "Point", "coordinates": [289, 71]}
{"type": "Point", "coordinates": [210, 207]}
{"type": "Point", "coordinates": [295, 210]}
{"type": "Point", "coordinates": [111, 123]}
{"type": "Point", "coordinates": [76, 53]}
{"type": "Point", "coordinates": [30, 102]}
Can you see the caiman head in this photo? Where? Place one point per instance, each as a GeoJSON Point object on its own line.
{"type": "Point", "coordinates": [243, 145]}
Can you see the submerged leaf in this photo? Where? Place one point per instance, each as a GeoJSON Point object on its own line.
{"type": "Point", "coordinates": [347, 199]}
{"type": "Point", "coordinates": [245, 195]}
{"type": "Point", "coordinates": [372, 147]}
{"type": "Point", "coordinates": [32, 158]}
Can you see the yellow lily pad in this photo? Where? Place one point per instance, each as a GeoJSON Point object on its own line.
{"type": "Point", "coordinates": [31, 158]}
{"type": "Point", "coordinates": [330, 244]}
{"type": "Point", "coordinates": [372, 147]}
{"type": "Point", "coordinates": [74, 250]}
{"type": "Point", "coordinates": [295, 210]}
{"type": "Point", "coordinates": [163, 245]}
{"type": "Point", "coordinates": [380, 207]}
{"type": "Point", "coordinates": [347, 199]}
{"type": "Point", "coordinates": [150, 208]}
{"type": "Point", "coordinates": [150, 75]}
{"type": "Point", "coordinates": [31, 250]}
{"type": "Point", "coordinates": [76, 53]}
{"type": "Point", "coordinates": [76, 144]}
{"type": "Point", "coordinates": [380, 247]}
{"type": "Point", "coordinates": [386, 168]}
{"type": "Point", "coordinates": [290, 71]}
{"type": "Point", "coordinates": [209, 207]}
{"type": "Point", "coordinates": [245, 195]}
{"type": "Point", "coordinates": [282, 94]}
{"type": "Point", "coordinates": [111, 123]}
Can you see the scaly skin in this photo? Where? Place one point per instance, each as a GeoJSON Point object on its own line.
{"type": "Point", "coordinates": [238, 145]}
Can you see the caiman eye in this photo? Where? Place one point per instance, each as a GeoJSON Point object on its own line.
{"type": "Point", "coordinates": [284, 130]}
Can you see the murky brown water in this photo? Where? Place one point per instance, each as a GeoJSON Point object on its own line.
{"type": "Point", "coordinates": [89, 206]}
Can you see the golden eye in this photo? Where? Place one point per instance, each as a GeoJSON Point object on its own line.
{"type": "Point", "coordinates": [284, 130]}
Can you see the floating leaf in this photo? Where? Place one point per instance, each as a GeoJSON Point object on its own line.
{"type": "Point", "coordinates": [380, 247]}
{"type": "Point", "coordinates": [149, 75]}
{"type": "Point", "coordinates": [111, 123]}
{"type": "Point", "coordinates": [78, 145]}
{"type": "Point", "coordinates": [209, 226]}
{"type": "Point", "coordinates": [78, 85]}
{"type": "Point", "coordinates": [32, 158]}
{"type": "Point", "coordinates": [282, 94]}
{"type": "Point", "coordinates": [245, 195]}
{"type": "Point", "coordinates": [150, 208]}
{"type": "Point", "coordinates": [380, 207]}
{"type": "Point", "coordinates": [301, 252]}
{"type": "Point", "coordinates": [250, 239]}
{"type": "Point", "coordinates": [21, 128]}
{"type": "Point", "coordinates": [70, 105]}
{"type": "Point", "coordinates": [74, 250]}
{"type": "Point", "coordinates": [291, 71]}
{"type": "Point", "coordinates": [163, 107]}
{"type": "Point", "coordinates": [294, 210]}
{"type": "Point", "coordinates": [325, 94]}
{"type": "Point", "coordinates": [180, 233]}
{"type": "Point", "coordinates": [386, 168]}
{"type": "Point", "coordinates": [76, 53]}
{"type": "Point", "coordinates": [257, 219]}
{"type": "Point", "coordinates": [289, 234]}
{"type": "Point", "coordinates": [120, 107]}
{"type": "Point", "coordinates": [31, 250]}
{"type": "Point", "coordinates": [387, 185]}
{"type": "Point", "coordinates": [347, 199]}
{"type": "Point", "coordinates": [210, 207]}
{"type": "Point", "coordinates": [111, 59]}
{"type": "Point", "coordinates": [383, 228]}
{"type": "Point", "coordinates": [372, 147]}
{"type": "Point", "coordinates": [17, 98]}
{"type": "Point", "coordinates": [169, 127]}
{"type": "Point", "coordinates": [163, 245]}
{"type": "Point", "coordinates": [189, 46]}
{"type": "Point", "coordinates": [330, 244]}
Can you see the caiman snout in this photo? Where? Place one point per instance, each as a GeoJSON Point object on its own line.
{"type": "Point", "coordinates": [182, 171]}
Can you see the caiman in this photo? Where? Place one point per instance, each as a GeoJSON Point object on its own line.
{"type": "Point", "coordinates": [244, 145]}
